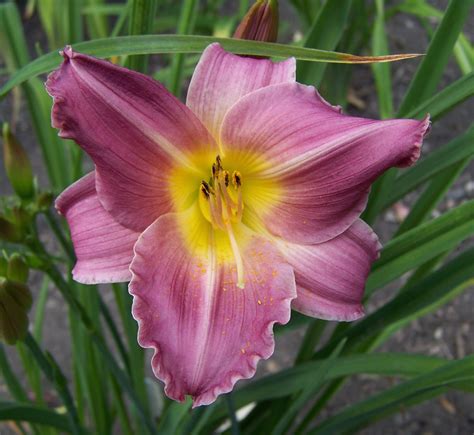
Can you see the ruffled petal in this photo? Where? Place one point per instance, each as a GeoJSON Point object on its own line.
{"type": "Point", "coordinates": [103, 247]}
{"type": "Point", "coordinates": [206, 332]}
{"type": "Point", "coordinates": [323, 162]}
{"type": "Point", "coordinates": [331, 276]}
{"type": "Point", "coordinates": [222, 78]}
{"type": "Point", "coordinates": [136, 132]}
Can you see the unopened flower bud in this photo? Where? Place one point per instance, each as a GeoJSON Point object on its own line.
{"type": "Point", "coordinates": [44, 201]}
{"type": "Point", "coordinates": [3, 266]}
{"type": "Point", "coordinates": [260, 23]}
{"type": "Point", "coordinates": [15, 302]}
{"type": "Point", "coordinates": [17, 269]}
{"type": "Point", "coordinates": [17, 165]}
{"type": "Point", "coordinates": [9, 232]}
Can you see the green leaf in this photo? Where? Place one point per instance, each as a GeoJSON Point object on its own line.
{"type": "Point", "coordinates": [432, 195]}
{"type": "Point", "coordinates": [14, 386]}
{"type": "Point", "coordinates": [173, 416]}
{"type": "Point", "coordinates": [32, 414]}
{"type": "Point", "coordinates": [149, 44]}
{"type": "Point", "coordinates": [445, 100]}
{"type": "Point", "coordinates": [428, 167]}
{"type": "Point", "coordinates": [294, 379]}
{"type": "Point", "coordinates": [420, 244]}
{"type": "Point", "coordinates": [325, 33]}
{"type": "Point", "coordinates": [429, 73]}
{"type": "Point", "coordinates": [185, 27]}
{"type": "Point", "coordinates": [425, 295]}
{"type": "Point", "coordinates": [381, 71]}
{"type": "Point", "coordinates": [310, 390]}
{"type": "Point", "coordinates": [463, 50]}
{"type": "Point", "coordinates": [141, 22]}
{"type": "Point", "coordinates": [394, 399]}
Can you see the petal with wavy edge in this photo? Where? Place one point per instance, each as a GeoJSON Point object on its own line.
{"type": "Point", "coordinates": [322, 161]}
{"type": "Point", "coordinates": [222, 78]}
{"type": "Point", "coordinates": [135, 131]}
{"type": "Point", "coordinates": [331, 276]}
{"type": "Point", "coordinates": [103, 247]}
{"type": "Point", "coordinates": [206, 332]}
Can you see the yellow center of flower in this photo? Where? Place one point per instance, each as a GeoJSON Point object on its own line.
{"type": "Point", "coordinates": [220, 201]}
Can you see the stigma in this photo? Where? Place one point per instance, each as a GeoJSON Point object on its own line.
{"type": "Point", "coordinates": [221, 204]}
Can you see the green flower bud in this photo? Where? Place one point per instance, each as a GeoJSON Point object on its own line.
{"type": "Point", "coordinates": [17, 269]}
{"type": "Point", "coordinates": [44, 201]}
{"type": "Point", "coordinates": [3, 266]}
{"type": "Point", "coordinates": [9, 232]}
{"type": "Point", "coordinates": [260, 23]}
{"type": "Point", "coordinates": [17, 165]}
{"type": "Point", "coordinates": [15, 302]}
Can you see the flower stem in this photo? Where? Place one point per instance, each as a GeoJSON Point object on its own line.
{"type": "Point", "coordinates": [58, 232]}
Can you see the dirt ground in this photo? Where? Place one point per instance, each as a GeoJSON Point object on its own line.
{"type": "Point", "coordinates": [446, 333]}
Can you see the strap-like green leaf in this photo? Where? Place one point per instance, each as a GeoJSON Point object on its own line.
{"type": "Point", "coordinates": [429, 73]}
{"type": "Point", "coordinates": [445, 100]}
{"type": "Point", "coordinates": [382, 76]}
{"type": "Point", "coordinates": [392, 400]}
{"type": "Point", "coordinates": [459, 149]}
{"type": "Point", "coordinates": [325, 33]}
{"type": "Point", "coordinates": [296, 378]}
{"type": "Point", "coordinates": [33, 414]}
{"type": "Point", "coordinates": [418, 299]}
{"type": "Point", "coordinates": [420, 244]}
{"type": "Point", "coordinates": [149, 44]}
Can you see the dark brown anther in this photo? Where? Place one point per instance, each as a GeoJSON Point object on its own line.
{"type": "Point", "coordinates": [205, 189]}
{"type": "Point", "coordinates": [237, 179]}
{"type": "Point", "coordinates": [219, 162]}
{"type": "Point", "coordinates": [226, 178]}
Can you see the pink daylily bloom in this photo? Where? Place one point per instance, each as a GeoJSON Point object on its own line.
{"type": "Point", "coordinates": [222, 213]}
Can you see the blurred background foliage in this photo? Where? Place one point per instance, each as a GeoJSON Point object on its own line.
{"type": "Point", "coordinates": [104, 387]}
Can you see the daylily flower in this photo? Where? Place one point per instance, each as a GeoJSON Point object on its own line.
{"type": "Point", "coordinates": [225, 212]}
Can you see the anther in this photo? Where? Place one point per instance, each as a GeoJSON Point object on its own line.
{"type": "Point", "coordinates": [219, 162]}
{"type": "Point", "coordinates": [236, 179]}
{"type": "Point", "coordinates": [226, 178]}
{"type": "Point", "coordinates": [205, 189]}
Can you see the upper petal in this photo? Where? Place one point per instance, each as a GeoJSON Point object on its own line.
{"type": "Point", "coordinates": [331, 276]}
{"type": "Point", "coordinates": [133, 128]}
{"type": "Point", "coordinates": [103, 247]}
{"type": "Point", "coordinates": [206, 332]}
{"type": "Point", "coordinates": [221, 78]}
{"type": "Point", "coordinates": [322, 161]}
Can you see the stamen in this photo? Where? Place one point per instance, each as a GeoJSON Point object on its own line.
{"type": "Point", "coordinates": [219, 162]}
{"type": "Point", "coordinates": [222, 205]}
{"type": "Point", "coordinates": [205, 189]}
{"type": "Point", "coordinates": [237, 257]}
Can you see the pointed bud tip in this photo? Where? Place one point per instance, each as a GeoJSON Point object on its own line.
{"type": "Point", "coordinates": [260, 23]}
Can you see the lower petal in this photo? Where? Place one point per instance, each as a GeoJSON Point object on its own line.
{"type": "Point", "coordinates": [331, 276]}
{"type": "Point", "coordinates": [207, 333]}
{"type": "Point", "coordinates": [103, 247]}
